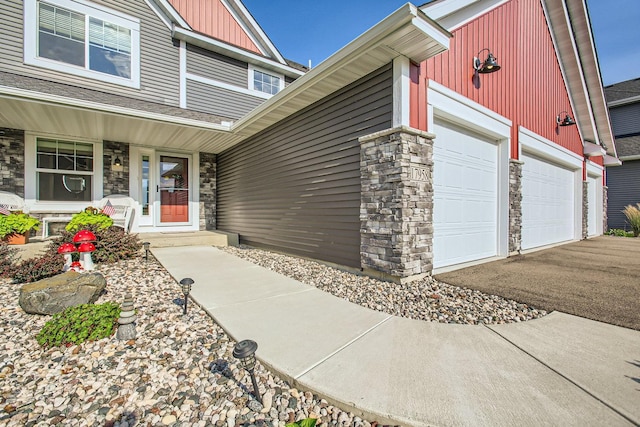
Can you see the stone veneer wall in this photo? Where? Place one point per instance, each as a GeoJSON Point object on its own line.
{"type": "Point", "coordinates": [208, 167]}
{"type": "Point", "coordinates": [12, 164]}
{"type": "Point", "coordinates": [585, 209]}
{"type": "Point", "coordinates": [605, 201]}
{"type": "Point", "coordinates": [396, 203]}
{"type": "Point", "coordinates": [115, 182]}
{"type": "Point", "coordinates": [515, 206]}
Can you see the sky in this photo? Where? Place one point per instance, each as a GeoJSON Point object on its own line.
{"type": "Point", "coordinates": [304, 30]}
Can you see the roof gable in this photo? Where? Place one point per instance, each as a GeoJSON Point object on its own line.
{"type": "Point", "coordinates": [228, 21]}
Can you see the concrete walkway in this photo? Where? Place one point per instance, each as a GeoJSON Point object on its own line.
{"type": "Point", "coordinates": [558, 370]}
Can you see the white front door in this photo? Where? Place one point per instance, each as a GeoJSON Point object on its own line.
{"type": "Point", "coordinates": [465, 205]}
{"type": "Point", "coordinates": [548, 202]}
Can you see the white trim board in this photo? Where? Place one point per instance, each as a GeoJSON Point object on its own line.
{"type": "Point", "coordinates": [227, 86]}
{"type": "Point", "coordinates": [537, 145]}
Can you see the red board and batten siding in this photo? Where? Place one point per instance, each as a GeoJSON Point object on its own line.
{"type": "Point", "coordinates": [198, 14]}
{"type": "Point", "coordinates": [529, 88]}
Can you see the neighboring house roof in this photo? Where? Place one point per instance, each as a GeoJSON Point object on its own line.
{"type": "Point", "coordinates": [623, 92]}
{"type": "Point", "coordinates": [628, 147]}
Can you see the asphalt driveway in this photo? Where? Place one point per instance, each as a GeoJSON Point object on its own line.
{"type": "Point", "coordinates": [597, 278]}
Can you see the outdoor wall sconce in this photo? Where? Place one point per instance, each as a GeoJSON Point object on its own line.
{"type": "Point", "coordinates": [117, 162]}
{"type": "Point", "coordinates": [245, 351]}
{"type": "Point", "coordinates": [116, 165]}
{"type": "Point", "coordinates": [185, 284]}
{"type": "Point", "coordinates": [567, 121]}
{"type": "Point", "coordinates": [146, 251]}
{"type": "Point", "coordinates": [490, 65]}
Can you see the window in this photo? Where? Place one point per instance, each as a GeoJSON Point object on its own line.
{"type": "Point", "coordinates": [78, 38]}
{"type": "Point", "coordinates": [265, 82]}
{"type": "Point", "coordinates": [64, 170]}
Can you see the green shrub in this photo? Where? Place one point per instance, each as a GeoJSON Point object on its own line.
{"type": "Point", "coordinates": [33, 269]}
{"type": "Point", "coordinates": [620, 233]}
{"type": "Point", "coordinates": [8, 256]}
{"type": "Point", "coordinates": [75, 325]}
{"type": "Point", "coordinates": [17, 222]}
{"type": "Point", "coordinates": [633, 217]}
{"type": "Point", "coordinates": [309, 422]}
{"type": "Point", "coordinates": [89, 217]}
{"type": "Point", "coordinates": [112, 244]}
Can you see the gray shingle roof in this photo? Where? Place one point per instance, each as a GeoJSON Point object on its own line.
{"type": "Point", "coordinates": [622, 90]}
{"type": "Point", "coordinates": [73, 92]}
{"type": "Point", "coordinates": [628, 146]}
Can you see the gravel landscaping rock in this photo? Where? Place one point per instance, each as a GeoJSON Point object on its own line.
{"type": "Point", "coordinates": [425, 299]}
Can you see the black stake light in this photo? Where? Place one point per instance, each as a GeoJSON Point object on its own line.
{"type": "Point", "coordinates": [146, 251]}
{"type": "Point", "coordinates": [245, 351]}
{"type": "Point", "coordinates": [185, 284]}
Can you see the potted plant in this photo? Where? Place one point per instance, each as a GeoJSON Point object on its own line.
{"type": "Point", "coordinates": [15, 227]}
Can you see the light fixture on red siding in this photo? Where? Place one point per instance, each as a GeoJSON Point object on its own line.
{"type": "Point", "coordinates": [490, 65]}
{"type": "Point", "coordinates": [566, 121]}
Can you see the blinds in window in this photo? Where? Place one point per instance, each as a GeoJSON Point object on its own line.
{"type": "Point", "coordinates": [109, 36]}
{"type": "Point", "coordinates": [61, 22]}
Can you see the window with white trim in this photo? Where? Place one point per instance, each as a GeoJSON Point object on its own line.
{"type": "Point", "coordinates": [265, 82]}
{"type": "Point", "coordinates": [64, 170]}
{"type": "Point", "coordinates": [76, 37]}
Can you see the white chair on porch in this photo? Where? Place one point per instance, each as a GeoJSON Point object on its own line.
{"type": "Point", "coordinates": [11, 202]}
{"type": "Point", "coordinates": [123, 205]}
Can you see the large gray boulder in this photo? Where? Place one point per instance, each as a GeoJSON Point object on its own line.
{"type": "Point", "coordinates": [54, 294]}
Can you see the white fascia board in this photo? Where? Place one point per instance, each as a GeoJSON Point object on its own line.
{"type": "Point", "coordinates": [256, 27]}
{"type": "Point", "coordinates": [248, 31]}
{"type": "Point", "coordinates": [173, 14]}
{"type": "Point", "coordinates": [405, 15]}
{"type": "Point", "coordinates": [592, 150]}
{"type": "Point", "coordinates": [538, 145]}
{"type": "Point", "coordinates": [234, 52]}
{"type": "Point", "coordinates": [160, 13]}
{"type": "Point", "coordinates": [454, 14]}
{"type": "Point", "coordinates": [629, 158]}
{"type": "Point", "coordinates": [14, 93]}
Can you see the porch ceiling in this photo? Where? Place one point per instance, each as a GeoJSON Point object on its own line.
{"type": "Point", "coordinates": [406, 32]}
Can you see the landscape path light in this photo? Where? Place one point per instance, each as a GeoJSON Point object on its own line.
{"type": "Point", "coordinates": [185, 284]}
{"type": "Point", "coordinates": [146, 251]}
{"type": "Point", "coordinates": [245, 351]}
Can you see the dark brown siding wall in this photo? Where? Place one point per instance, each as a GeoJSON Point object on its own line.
{"type": "Point", "coordinates": [296, 186]}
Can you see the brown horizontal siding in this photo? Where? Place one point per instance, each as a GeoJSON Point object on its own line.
{"type": "Point", "coordinates": [296, 186]}
{"type": "Point", "coordinates": [217, 67]}
{"type": "Point", "coordinates": [219, 101]}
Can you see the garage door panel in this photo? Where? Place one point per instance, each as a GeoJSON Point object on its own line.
{"type": "Point", "coordinates": [548, 203]}
{"type": "Point", "coordinates": [465, 196]}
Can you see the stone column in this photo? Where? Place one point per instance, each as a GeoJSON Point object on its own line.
{"type": "Point", "coordinates": [396, 203]}
{"type": "Point", "coordinates": [116, 179]}
{"type": "Point", "coordinates": [12, 161]}
{"type": "Point", "coordinates": [208, 168]}
{"type": "Point", "coordinates": [515, 206]}
{"type": "Point", "coordinates": [585, 209]}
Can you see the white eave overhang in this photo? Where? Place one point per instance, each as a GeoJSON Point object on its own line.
{"type": "Point", "coordinates": [593, 150]}
{"type": "Point", "coordinates": [611, 161]}
{"type": "Point", "coordinates": [571, 32]}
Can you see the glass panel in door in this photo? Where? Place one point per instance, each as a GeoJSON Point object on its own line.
{"type": "Point", "coordinates": [174, 189]}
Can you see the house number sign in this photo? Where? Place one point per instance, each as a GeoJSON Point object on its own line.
{"type": "Point", "coordinates": [419, 173]}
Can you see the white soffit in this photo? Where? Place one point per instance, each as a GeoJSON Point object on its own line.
{"type": "Point", "coordinates": [452, 14]}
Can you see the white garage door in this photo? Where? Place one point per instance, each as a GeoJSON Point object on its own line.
{"type": "Point", "coordinates": [465, 211]}
{"type": "Point", "coordinates": [548, 203]}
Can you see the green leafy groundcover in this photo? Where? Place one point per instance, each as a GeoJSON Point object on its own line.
{"type": "Point", "coordinates": [309, 422]}
{"type": "Point", "coordinates": [75, 325]}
